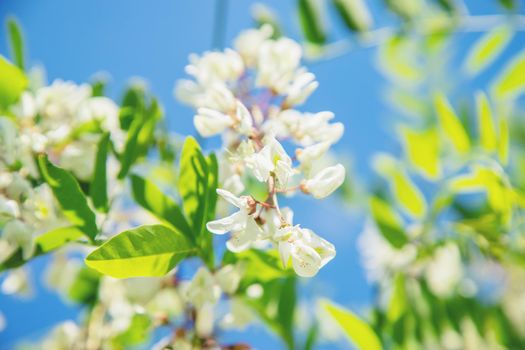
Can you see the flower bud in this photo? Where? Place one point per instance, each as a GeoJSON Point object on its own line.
{"type": "Point", "coordinates": [324, 182]}
{"type": "Point", "coordinates": [209, 122]}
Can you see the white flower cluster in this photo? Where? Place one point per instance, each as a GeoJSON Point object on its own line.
{"type": "Point", "coordinates": [248, 96]}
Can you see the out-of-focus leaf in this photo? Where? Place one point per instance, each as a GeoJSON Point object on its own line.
{"type": "Point", "coordinates": [406, 9]}
{"type": "Point", "coordinates": [133, 106]}
{"type": "Point", "coordinates": [487, 49]}
{"type": "Point", "coordinates": [98, 190]}
{"type": "Point", "coordinates": [84, 289]}
{"type": "Point", "coordinates": [310, 12]}
{"type": "Point", "coordinates": [358, 332]}
{"type": "Point", "coordinates": [511, 82]}
{"type": "Point", "coordinates": [396, 58]}
{"type": "Point", "coordinates": [264, 15]}
{"type": "Point", "coordinates": [16, 42]}
{"type": "Point", "coordinates": [355, 14]}
{"type": "Point", "coordinates": [508, 4]}
{"type": "Point", "coordinates": [12, 83]}
{"type": "Point", "coordinates": [146, 251]}
{"type": "Point", "coordinates": [404, 191]}
{"type": "Point", "coordinates": [56, 238]}
{"type": "Point", "coordinates": [137, 332]}
{"type": "Point", "coordinates": [451, 125]}
{"type": "Point", "coordinates": [151, 198]}
{"type": "Point", "coordinates": [388, 222]}
{"type": "Point", "coordinates": [487, 132]}
{"type": "Point", "coordinates": [422, 150]}
{"type": "Point", "coordinates": [447, 5]}
{"type": "Point", "coordinates": [503, 142]}
{"type": "Point", "coordinates": [398, 300]}
{"type": "Point", "coordinates": [69, 195]}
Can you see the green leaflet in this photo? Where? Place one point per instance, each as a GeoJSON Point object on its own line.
{"type": "Point", "coordinates": [98, 190]}
{"type": "Point", "coordinates": [84, 289]}
{"type": "Point", "coordinates": [422, 149]}
{"type": "Point", "coordinates": [311, 22]}
{"type": "Point", "coordinates": [149, 250]}
{"type": "Point", "coordinates": [16, 42]}
{"type": "Point", "coordinates": [487, 49]}
{"type": "Point", "coordinates": [451, 125]}
{"type": "Point", "coordinates": [354, 13]}
{"type": "Point", "coordinates": [487, 131]}
{"type": "Point", "coordinates": [388, 222]}
{"type": "Point", "coordinates": [511, 81]}
{"type": "Point", "coordinates": [69, 195]}
{"type": "Point", "coordinates": [356, 330]}
{"type": "Point", "coordinates": [12, 83]}
{"type": "Point", "coordinates": [151, 198]}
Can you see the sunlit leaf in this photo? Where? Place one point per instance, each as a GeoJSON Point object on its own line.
{"type": "Point", "coordinates": [354, 13]}
{"type": "Point", "coordinates": [355, 329]}
{"type": "Point", "coordinates": [422, 151]}
{"type": "Point", "coordinates": [310, 13]}
{"type": "Point", "coordinates": [84, 289]}
{"type": "Point", "coordinates": [12, 83]}
{"type": "Point", "coordinates": [263, 15]}
{"type": "Point", "coordinates": [258, 266]}
{"type": "Point", "coordinates": [137, 332]}
{"type": "Point", "coordinates": [487, 132]}
{"type": "Point", "coordinates": [56, 238]}
{"type": "Point", "coordinates": [404, 8]}
{"type": "Point", "coordinates": [98, 190]}
{"type": "Point", "coordinates": [511, 82]}
{"type": "Point", "coordinates": [152, 250]}
{"type": "Point", "coordinates": [398, 299]}
{"type": "Point", "coordinates": [151, 198]}
{"type": "Point", "coordinates": [397, 60]}
{"type": "Point", "coordinates": [388, 222]}
{"type": "Point", "coordinates": [16, 42]}
{"type": "Point", "coordinates": [451, 125]}
{"type": "Point", "coordinates": [487, 49]}
{"type": "Point", "coordinates": [69, 195]}
{"type": "Point", "coordinates": [503, 142]}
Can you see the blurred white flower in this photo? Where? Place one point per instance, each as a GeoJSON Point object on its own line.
{"type": "Point", "coordinates": [445, 270]}
{"type": "Point", "coordinates": [324, 182]}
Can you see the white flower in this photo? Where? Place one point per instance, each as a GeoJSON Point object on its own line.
{"type": "Point", "coordinates": [445, 270]}
{"type": "Point", "coordinates": [277, 62]}
{"type": "Point", "coordinates": [249, 42]}
{"type": "Point", "coordinates": [204, 320]}
{"type": "Point", "coordinates": [324, 182]}
{"type": "Point", "coordinates": [79, 156]}
{"type": "Point", "coordinates": [216, 66]}
{"type": "Point", "coordinates": [17, 282]}
{"type": "Point", "coordinates": [311, 153]}
{"type": "Point", "coordinates": [209, 122]}
{"type": "Point", "coordinates": [25, 108]}
{"type": "Point", "coordinates": [8, 209]}
{"type": "Point", "coordinates": [228, 278]}
{"type": "Point", "coordinates": [307, 251]}
{"type": "Point", "coordinates": [239, 317]}
{"type": "Point", "coordinates": [59, 102]}
{"type": "Point", "coordinates": [301, 88]}
{"type": "Point", "coordinates": [63, 336]}
{"type": "Point", "coordinates": [272, 158]}
{"type": "Point", "coordinates": [21, 234]}
{"type": "Point", "coordinates": [8, 140]}
{"type": "Point", "coordinates": [203, 289]}
{"type": "Point", "coordinates": [245, 121]}
{"type": "Point", "coordinates": [241, 224]}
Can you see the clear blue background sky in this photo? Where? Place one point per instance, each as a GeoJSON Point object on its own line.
{"type": "Point", "coordinates": [152, 39]}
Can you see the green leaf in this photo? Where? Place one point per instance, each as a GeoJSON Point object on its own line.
{"type": "Point", "coordinates": [354, 13]}
{"type": "Point", "coordinates": [137, 332]}
{"type": "Point", "coordinates": [310, 19]}
{"type": "Point", "coordinates": [69, 195]}
{"type": "Point", "coordinates": [406, 9]}
{"type": "Point", "coordinates": [487, 131]}
{"type": "Point", "coordinates": [397, 305]}
{"type": "Point", "coordinates": [149, 250]}
{"type": "Point", "coordinates": [98, 190]}
{"type": "Point", "coordinates": [451, 125]}
{"type": "Point", "coordinates": [422, 150]}
{"type": "Point", "coordinates": [16, 42]}
{"type": "Point", "coordinates": [151, 198]}
{"type": "Point", "coordinates": [12, 83]}
{"type": "Point", "coordinates": [132, 106]}
{"type": "Point", "coordinates": [487, 49]}
{"type": "Point", "coordinates": [503, 142]}
{"type": "Point", "coordinates": [264, 15]}
{"type": "Point", "coordinates": [84, 289]}
{"type": "Point", "coordinates": [388, 222]}
{"type": "Point", "coordinates": [259, 266]}
{"type": "Point", "coordinates": [511, 82]}
{"type": "Point", "coordinates": [56, 238]}
{"type": "Point", "coordinates": [396, 58]}
{"type": "Point", "coordinates": [356, 330]}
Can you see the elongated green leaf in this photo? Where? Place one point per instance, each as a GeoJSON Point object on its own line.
{"type": "Point", "coordinates": [511, 82]}
{"type": "Point", "coordinates": [487, 49]}
{"type": "Point", "coordinates": [286, 308]}
{"type": "Point", "coordinates": [388, 222]}
{"type": "Point", "coordinates": [16, 42]}
{"type": "Point", "coordinates": [137, 332]}
{"type": "Point", "coordinates": [397, 61]}
{"type": "Point", "coordinates": [152, 250]}
{"type": "Point", "coordinates": [356, 330]}
{"type": "Point", "coordinates": [151, 198]}
{"type": "Point", "coordinates": [487, 131]}
{"type": "Point", "coordinates": [450, 124]}
{"type": "Point", "coordinates": [503, 142]}
{"type": "Point", "coordinates": [12, 83]}
{"type": "Point", "coordinates": [69, 195]}
{"type": "Point", "coordinates": [56, 238]}
{"type": "Point", "coordinates": [98, 190]}
{"type": "Point", "coordinates": [354, 13]}
{"type": "Point", "coordinates": [193, 184]}
{"type": "Point", "coordinates": [406, 9]}
{"type": "Point", "coordinates": [422, 150]}
{"type": "Point", "coordinates": [259, 266]}
{"type": "Point", "coordinates": [311, 22]}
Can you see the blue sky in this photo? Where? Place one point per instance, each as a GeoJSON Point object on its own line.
{"type": "Point", "coordinates": [152, 40]}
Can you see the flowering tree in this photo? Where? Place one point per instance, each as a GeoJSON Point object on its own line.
{"type": "Point", "coordinates": [123, 205]}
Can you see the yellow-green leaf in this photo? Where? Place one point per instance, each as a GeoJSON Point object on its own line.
{"type": "Point", "coordinates": [487, 131]}
{"type": "Point", "coordinates": [422, 151]}
{"type": "Point", "coordinates": [396, 60]}
{"type": "Point", "coordinates": [451, 125]}
{"type": "Point", "coordinates": [358, 332]}
{"type": "Point", "coordinates": [12, 83]}
{"type": "Point", "coordinates": [487, 49]}
{"type": "Point", "coordinates": [354, 13]}
{"type": "Point", "coordinates": [511, 82]}
{"type": "Point", "coordinates": [16, 42]}
{"type": "Point", "coordinates": [149, 250]}
{"type": "Point", "coordinates": [310, 18]}
{"type": "Point", "coordinates": [503, 146]}
{"type": "Point", "coordinates": [388, 222]}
